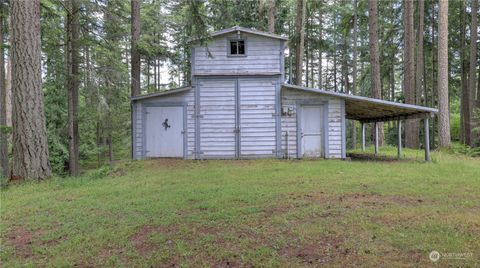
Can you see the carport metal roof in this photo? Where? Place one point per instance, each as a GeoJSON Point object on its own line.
{"type": "Point", "coordinates": [372, 110]}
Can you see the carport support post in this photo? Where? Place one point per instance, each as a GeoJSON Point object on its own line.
{"type": "Point", "coordinates": [376, 138]}
{"type": "Point", "coordinates": [427, 140]}
{"type": "Point", "coordinates": [399, 137]}
{"type": "Point", "coordinates": [363, 137]}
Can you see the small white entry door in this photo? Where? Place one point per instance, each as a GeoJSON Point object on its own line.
{"type": "Point", "coordinates": [311, 131]}
{"type": "Point", "coordinates": [164, 131]}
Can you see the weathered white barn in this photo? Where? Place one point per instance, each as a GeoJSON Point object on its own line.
{"type": "Point", "coordinates": [239, 107]}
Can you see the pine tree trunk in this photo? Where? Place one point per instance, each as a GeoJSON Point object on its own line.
{"type": "Point", "coordinates": [271, 16]}
{"type": "Point", "coordinates": [73, 85]}
{"type": "Point", "coordinates": [443, 105]}
{"type": "Point", "coordinates": [434, 95]}
{"type": "Point", "coordinates": [472, 81]}
{"type": "Point", "coordinates": [411, 125]}
{"type": "Point", "coordinates": [335, 88]}
{"type": "Point", "coordinates": [320, 51]}
{"type": "Point", "coordinates": [465, 114]}
{"type": "Point", "coordinates": [3, 104]}
{"type": "Point", "coordinates": [30, 148]}
{"type": "Point", "coordinates": [354, 67]}
{"type": "Point", "coordinates": [374, 60]}
{"type": "Point", "coordinates": [135, 57]}
{"type": "Point", "coordinates": [346, 88]}
{"type": "Point", "coordinates": [300, 33]}
{"type": "Point", "coordinates": [419, 74]}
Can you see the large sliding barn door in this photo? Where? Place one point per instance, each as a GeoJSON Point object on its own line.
{"type": "Point", "coordinates": [237, 117]}
{"type": "Point", "coordinates": [217, 121]}
{"type": "Point", "coordinates": [257, 117]}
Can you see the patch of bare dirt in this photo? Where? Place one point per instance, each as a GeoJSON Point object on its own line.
{"type": "Point", "coordinates": [22, 239]}
{"type": "Point", "coordinates": [141, 239]}
{"type": "Point", "coordinates": [320, 250]}
{"type": "Point", "coordinates": [359, 200]}
{"type": "Point", "coordinates": [165, 163]}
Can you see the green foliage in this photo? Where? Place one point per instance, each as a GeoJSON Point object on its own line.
{"type": "Point", "coordinates": [455, 126]}
{"type": "Point", "coordinates": [462, 149]}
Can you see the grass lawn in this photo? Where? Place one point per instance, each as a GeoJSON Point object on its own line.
{"type": "Point", "coordinates": [250, 213]}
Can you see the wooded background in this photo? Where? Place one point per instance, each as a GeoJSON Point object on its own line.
{"type": "Point", "coordinates": [68, 67]}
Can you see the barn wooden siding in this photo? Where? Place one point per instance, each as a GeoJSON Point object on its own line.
{"type": "Point", "coordinates": [263, 56]}
{"type": "Point", "coordinates": [237, 117]}
{"type": "Point", "coordinates": [185, 97]}
{"type": "Point", "coordinates": [336, 122]}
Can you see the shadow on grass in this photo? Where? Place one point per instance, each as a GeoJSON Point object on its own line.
{"type": "Point", "coordinates": [378, 158]}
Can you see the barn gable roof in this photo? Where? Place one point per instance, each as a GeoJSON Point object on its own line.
{"type": "Point", "coordinates": [245, 30]}
{"type": "Point", "coordinates": [161, 93]}
{"type": "Point", "coordinates": [372, 110]}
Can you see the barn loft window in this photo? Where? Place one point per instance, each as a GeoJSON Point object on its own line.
{"type": "Point", "coordinates": [237, 47]}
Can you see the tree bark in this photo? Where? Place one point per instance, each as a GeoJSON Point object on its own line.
{"type": "Point", "coordinates": [411, 125]}
{"type": "Point", "coordinates": [135, 58]}
{"type": "Point", "coordinates": [3, 103]}
{"type": "Point", "coordinates": [354, 68]}
{"type": "Point", "coordinates": [271, 16]}
{"type": "Point", "coordinates": [419, 74]}
{"type": "Point", "coordinates": [443, 105]}
{"type": "Point", "coordinates": [472, 81]}
{"type": "Point", "coordinates": [374, 60]}
{"type": "Point", "coordinates": [73, 85]}
{"type": "Point", "coordinates": [29, 135]}
{"type": "Point", "coordinates": [465, 114]}
{"type": "Point", "coordinates": [320, 50]}
{"type": "Point", "coordinates": [300, 34]}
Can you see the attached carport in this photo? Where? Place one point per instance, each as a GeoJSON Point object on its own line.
{"type": "Point", "coordinates": [370, 110]}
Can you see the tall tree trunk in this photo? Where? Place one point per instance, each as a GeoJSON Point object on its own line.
{"type": "Point", "coordinates": [465, 114]}
{"type": "Point", "coordinates": [73, 85]}
{"type": "Point", "coordinates": [419, 74]}
{"type": "Point", "coordinates": [411, 125]}
{"type": "Point", "coordinates": [472, 82]}
{"type": "Point", "coordinates": [271, 16]}
{"type": "Point", "coordinates": [443, 105]}
{"type": "Point", "coordinates": [335, 88]}
{"type": "Point", "coordinates": [320, 50]}
{"type": "Point", "coordinates": [30, 148]}
{"type": "Point", "coordinates": [374, 59]}
{"type": "Point", "coordinates": [3, 103]}
{"type": "Point", "coordinates": [434, 95]}
{"type": "Point", "coordinates": [135, 58]}
{"type": "Point", "coordinates": [307, 54]}
{"type": "Point", "coordinates": [346, 85]}
{"type": "Point", "coordinates": [300, 34]}
{"type": "Point", "coordinates": [354, 67]}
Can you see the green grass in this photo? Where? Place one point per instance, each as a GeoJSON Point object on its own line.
{"type": "Point", "coordinates": [249, 213]}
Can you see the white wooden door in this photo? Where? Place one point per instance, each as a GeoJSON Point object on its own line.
{"type": "Point", "coordinates": [218, 131]}
{"type": "Point", "coordinates": [164, 131]}
{"type": "Point", "coordinates": [311, 131]}
{"type": "Point", "coordinates": [257, 117]}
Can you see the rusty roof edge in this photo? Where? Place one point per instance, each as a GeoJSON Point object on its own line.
{"type": "Point", "coordinates": [365, 99]}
